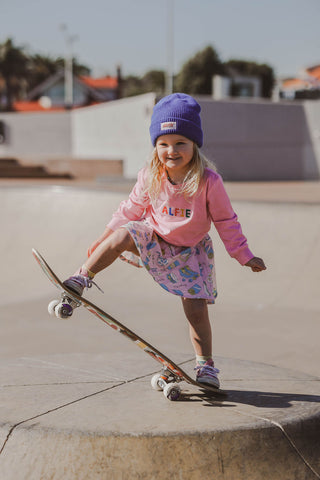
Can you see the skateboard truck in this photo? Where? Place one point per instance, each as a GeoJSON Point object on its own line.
{"type": "Point", "coordinates": [64, 307]}
{"type": "Point", "coordinates": [168, 383]}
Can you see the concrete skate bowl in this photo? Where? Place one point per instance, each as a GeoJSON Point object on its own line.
{"type": "Point", "coordinates": [76, 401]}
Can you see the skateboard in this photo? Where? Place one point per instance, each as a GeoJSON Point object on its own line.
{"type": "Point", "coordinates": [171, 375]}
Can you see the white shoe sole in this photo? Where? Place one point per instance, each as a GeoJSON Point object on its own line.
{"type": "Point", "coordinates": [209, 381]}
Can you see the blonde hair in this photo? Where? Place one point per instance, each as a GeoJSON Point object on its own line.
{"type": "Point", "coordinates": [192, 180]}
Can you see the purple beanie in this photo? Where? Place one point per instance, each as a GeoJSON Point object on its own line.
{"type": "Point", "coordinates": [179, 114]}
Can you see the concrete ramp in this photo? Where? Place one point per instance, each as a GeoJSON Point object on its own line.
{"type": "Point", "coordinates": [61, 222]}
{"type": "Point", "coordinates": [75, 396]}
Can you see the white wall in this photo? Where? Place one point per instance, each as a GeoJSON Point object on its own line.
{"type": "Point", "coordinates": [221, 87]}
{"type": "Point", "coordinates": [248, 140]}
{"type": "Point", "coordinates": [115, 130]}
{"type": "Point", "coordinates": [35, 136]}
{"type": "Point", "coordinates": [312, 112]}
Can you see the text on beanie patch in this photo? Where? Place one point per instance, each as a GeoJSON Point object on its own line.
{"type": "Point", "coordinates": [169, 126]}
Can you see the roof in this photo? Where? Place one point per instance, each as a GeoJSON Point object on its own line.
{"type": "Point", "coordinates": [314, 71]}
{"type": "Point", "coordinates": [98, 90]}
{"type": "Point", "coordinates": [29, 106]}
{"type": "Point", "coordinates": [294, 83]}
{"type": "Point", "coordinates": [103, 82]}
{"type": "Point", "coordinates": [86, 82]}
{"type": "Point", "coordinates": [309, 79]}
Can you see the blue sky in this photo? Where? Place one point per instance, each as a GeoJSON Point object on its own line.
{"type": "Point", "coordinates": [132, 33]}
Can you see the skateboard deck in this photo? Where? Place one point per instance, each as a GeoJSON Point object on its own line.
{"type": "Point", "coordinates": [171, 374]}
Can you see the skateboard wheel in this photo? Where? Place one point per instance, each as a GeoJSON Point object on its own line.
{"type": "Point", "coordinates": [52, 305]}
{"type": "Point", "coordinates": [63, 310]}
{"type": "Point", "coordinates": [157, 382]}
{"type": "Point", "coordinates": [172, 392]}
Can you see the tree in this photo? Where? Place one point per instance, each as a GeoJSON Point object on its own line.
{"type": "Point", "coordinates": [196, 74]}
{"type": "Point", "coordinates": [42, 67]}
{"type": "Point", "coordinates": [132, 86]}
{"type": "Point", "coordinates": [14, 69]}
{"type": "Point", "coordinates": [154, 81]}
{"type": "Point", "coordinates": [21, 72]}
{"type": "Point", "coordinates": [263, 71]}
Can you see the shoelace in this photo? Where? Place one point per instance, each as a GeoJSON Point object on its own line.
{"type": "Point", "coordinates": [87, 282]}
{"type": "Point", "coordinates": [207, 370]}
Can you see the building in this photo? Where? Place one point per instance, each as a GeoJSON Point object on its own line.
{"type": "Point", "coordinates": [305, 87]}
{"type": "Point", "coordinates": [236, 86]}
{"type": "Point", "coordinates": [51, 94]}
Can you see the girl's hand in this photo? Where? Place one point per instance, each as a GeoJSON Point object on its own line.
{"type": "Point", "coordinates": [256, 264]}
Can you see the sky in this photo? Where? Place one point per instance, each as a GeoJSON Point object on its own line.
{"type": "Point", "coordinates": [134, 33]}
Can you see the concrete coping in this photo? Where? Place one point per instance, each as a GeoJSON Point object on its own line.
{"type": "Point", "coordinates": [77, 416]}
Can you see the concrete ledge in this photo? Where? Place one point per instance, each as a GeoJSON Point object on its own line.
{"type": "Point", "coordinates": [87, 169]}
{"type": "Point", "coordinates": [78, 417]}
{"type": "Point", "coordinates": [12, 168]}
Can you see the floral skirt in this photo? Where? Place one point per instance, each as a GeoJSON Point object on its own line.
{"type": "Point", "coordinates": [185, 271]}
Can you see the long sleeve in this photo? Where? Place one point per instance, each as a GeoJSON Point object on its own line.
{"type": "Point", "coordinates": [226, 221]}
{"type": "Point", "coordinates": [135, 206]}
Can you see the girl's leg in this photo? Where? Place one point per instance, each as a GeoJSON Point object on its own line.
{"type": "Point", "coordinates": [110, 249]}
{"type": "Point", "coordinates": [196, 311]}
{"type": "Point", "coordinates": [106, 253]}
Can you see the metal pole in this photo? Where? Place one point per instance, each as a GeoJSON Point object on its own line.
{"type": "Point", "coordinates": [68, 75]}
{"type": "Point", "coordinates": [170, 47]}
{"type": "Point", "coordinates": [68, 67]}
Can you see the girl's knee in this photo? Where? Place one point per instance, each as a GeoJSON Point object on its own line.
{"type": "Point", "coordinates": [195, 308]}
{"type": "Point", "coordinates": [194, 303]}
{"type": "Point", "coordinates": [123, 240]}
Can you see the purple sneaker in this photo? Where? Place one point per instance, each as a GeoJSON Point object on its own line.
{"type": "Point", "coordinates": [77, 283]}
{"type": "Point", "coordinates": [208, 374]}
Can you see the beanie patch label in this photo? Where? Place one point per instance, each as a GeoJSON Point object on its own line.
{"type": "Point", "coordinates": [168, 126]}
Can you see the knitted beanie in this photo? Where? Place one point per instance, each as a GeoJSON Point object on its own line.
{"type": "Point", "coordinates": [179, 114]}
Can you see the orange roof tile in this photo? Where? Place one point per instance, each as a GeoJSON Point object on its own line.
{"type": "Point", "coordinates": [36, 107]}
{"type": "Point", "coordinates": [314, 71]}
{"type": "Point", "coordinates": [104, 82]}
{"type": "Point", "coordinates": [33, 107]}
{"type": "Point", "coordinates": [294, 83]}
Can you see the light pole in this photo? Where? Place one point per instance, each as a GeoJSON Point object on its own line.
{"type": "Point", "coordinates": [68, 67]}
{"type": "Point", "coordinates": [170, 47]}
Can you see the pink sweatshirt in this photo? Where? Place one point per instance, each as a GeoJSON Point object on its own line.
{"type": "Point", "coordinates": [184, 222]}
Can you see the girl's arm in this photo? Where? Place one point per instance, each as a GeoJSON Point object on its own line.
{"type": "Point", "coordinates": [228, 226]}
{"type": "Point", "coordinates": [135, 206]}
{"type": "Point", "coordinates": [131, 209]}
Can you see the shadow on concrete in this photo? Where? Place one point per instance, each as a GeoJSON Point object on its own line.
{"type": "Point", "coordinates": [254, 398]}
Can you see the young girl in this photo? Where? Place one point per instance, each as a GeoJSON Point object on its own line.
{"type": "Point", "coordinates": [164, 224]}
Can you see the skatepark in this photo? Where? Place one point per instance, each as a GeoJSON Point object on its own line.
{"type": "Point", "coordinates": [76, 400]}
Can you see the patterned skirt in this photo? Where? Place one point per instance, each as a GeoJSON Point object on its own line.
{"type": "Point", "coordinates": [185, 271]}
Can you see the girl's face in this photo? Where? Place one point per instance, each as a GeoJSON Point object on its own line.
{"type": "Point", "coordinates": [175, 152]}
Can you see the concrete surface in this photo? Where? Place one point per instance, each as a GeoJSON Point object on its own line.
{"type": "Point", "coordinates": [92, 417]}
{"type": "Point", "coordinates": [75, 396]}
